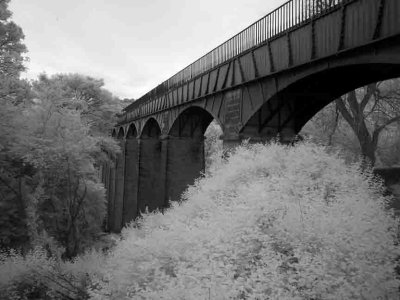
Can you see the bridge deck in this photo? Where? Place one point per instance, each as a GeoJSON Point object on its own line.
{"type": "Point", "coordinates": [306, 30]}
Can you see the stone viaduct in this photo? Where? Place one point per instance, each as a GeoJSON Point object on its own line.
{"type": "Point", "coordinates": [268, 80]}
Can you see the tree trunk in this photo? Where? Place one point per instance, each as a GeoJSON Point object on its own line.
{"type": "Point", "coordinates": [354, 116]}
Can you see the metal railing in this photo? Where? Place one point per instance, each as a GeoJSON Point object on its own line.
{"type": "Point", "coordinates": [291, 14]}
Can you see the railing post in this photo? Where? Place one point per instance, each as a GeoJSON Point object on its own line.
{"type": "Point", "coordinates": [378, 26]}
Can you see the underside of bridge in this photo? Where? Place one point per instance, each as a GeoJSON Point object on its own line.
{"type": "Point", "coordinates": [286, 112]}
{"type": "Point", "coordinates": [265, 82]}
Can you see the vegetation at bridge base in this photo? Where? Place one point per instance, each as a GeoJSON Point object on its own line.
{"type": "Point", "coordinates": [268, 222]}
{"type": "Point", "coordinates": [212, 144]}
{"type": "Point", "coordinates": [36, 275]}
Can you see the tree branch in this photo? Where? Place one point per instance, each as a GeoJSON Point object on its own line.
{"type": "Point", "coordinates": [371, 89]}
{"type": "Point", "coordinates": [353, 103]}
{"type": "Point", "coordinates": [378, 130]}
{"type": "Point", "coordinates": [345, 113]}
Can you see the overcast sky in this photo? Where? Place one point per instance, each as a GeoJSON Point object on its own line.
{"type": "Point", "coordinates": [132, 44]}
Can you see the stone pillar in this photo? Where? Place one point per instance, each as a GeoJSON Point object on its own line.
{"type": "Point", "coordinates": [104, 178]}
{"type": "Point", "coordinates": [230, 144]}
{"type": "Point", "coordinates": [185, 162]}
{"type": "Point", "coordinates": [230, 140]}
{"type": "Point", "coordinates": [152, 175]}
{"type": "Point", "coordinates": [110, 196]}
{"type": "Point", "coordinates": [164, 166]}
{"type": "Point", "coordinates": [119, 189]}
{"type": "Point", "coordinates": [287, 135]}
{"type": "Point", "coordinates": [102, 173]}
{"type": "Point", "coordinates": [130, 210]}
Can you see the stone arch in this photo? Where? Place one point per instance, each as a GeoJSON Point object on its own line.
{"type": "Point", "coordinates": [185, 150]}
{"type": "Point", "coordinates": [151, 168]}
{"type": "Point", "coordinates": [191, 122]}
{"type": "Point", "coordinates": [213, 113]}
{"type": "Point", "coordinates": [288, 109]}
{"type": "Point", "coordinates": [121, 133]}
{"type": "Point", "coordinates": [151, 129]}
{"type": "Point", "coordinates": [131, 131]}
{"type": "Point", "coordinates": [375, 73]}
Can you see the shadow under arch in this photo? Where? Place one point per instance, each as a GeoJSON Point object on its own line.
{"type": "Point", "coordinates": [185, 150]}
{"type": "Point", "coordinates": [109, 183]}
{"type": "Point", "coordinates": [288, 110]}
{"type": "Point", "coordinates": [121, 133]}
{"type": "Point", "coordinates": [131, 132]}
{"type": "Point", "coordinates": [151, 129]}
{"type": "Point", "coordinates": [151, 183]}
{"type": "Point", "coordinates": [115, 205]}
{"type": "Point", "coordinates": [192, 122]}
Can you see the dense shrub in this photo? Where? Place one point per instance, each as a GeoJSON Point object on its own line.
{"type": "Point", "coordinates": [268, 222]}
{"type": "Point", "coordinates": [37, 275]}
{"type": "Point", "coordinates": [212, 143]}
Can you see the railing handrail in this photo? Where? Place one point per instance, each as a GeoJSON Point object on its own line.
{"type": "Point", "coordinates": [298, 11]}
{"type": "Point", "coordinates": [231, 38]}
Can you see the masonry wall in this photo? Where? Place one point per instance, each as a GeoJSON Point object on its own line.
{"type": "Point", "coordinates": [185, 162]}
{"type": "Point", "coordinates": [130, 209]}
{"type": "Point", "coordinates": [110, 196]}
{"type": "Point", "coordinates": [151, 175]}
{"type": "Point", "coordinates": [116, 225]}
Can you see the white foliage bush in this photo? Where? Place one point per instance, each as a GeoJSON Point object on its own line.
{"type": "Point", "coordinates": [268, 222]}
{"type": "Point", "coordinates": [212, 144]}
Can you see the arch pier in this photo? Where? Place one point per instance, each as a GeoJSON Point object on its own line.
{"type": "Point", "coordinates": [131, 179]}
{"type": "Point", "coordinates": [151, 165]}
{"type": "Point", "coordinates": [185, 150]}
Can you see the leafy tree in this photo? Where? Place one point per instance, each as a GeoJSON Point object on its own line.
{"type": "Point", "coordinates": [11, 45]}
{"type": "Point", "coordinates": [85, 94]}
{"type": "Point", "coordinates": [13, 93]}
{"type": "Point", "coordinates": [329, 128]}
{"type": "Point", "coordinates": [311, 8]}
{"type": "Point", "coordinates": [52, 135]}
{"type": "Point", "coordinates": [12, 213]}
{"type": "Point", "coordinates": [126, 101]}
{"type": "Point", "coordinates": [48, 164]}
{"type": "Point", "coordinates": [58, 144]}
